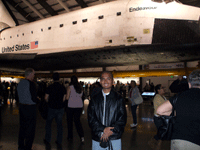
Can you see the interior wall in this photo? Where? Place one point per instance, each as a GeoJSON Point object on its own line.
{"type": "Point", "coordinates": [8, 79]}
{"type": "Point", "coordinates": [192, 64]}
{"type": "Point", "coordinates": [92, 80]}
{"type": "Point", "coordinates": [165, 81]}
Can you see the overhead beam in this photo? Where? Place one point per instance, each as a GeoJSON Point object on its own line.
{"type": "Point", "coordinates": [33, 9]}
{"type": "Point", "coordinates": [10, 12]}
{"type": "Point", "coordinates": [102, 1]}
{"type": "Point", "coordinates": [123, 74]}
{"type": "Point", "coordinates": [82, 3]}
{"type": "Point", "coordinates": [116, 74]}
{"type": "Point", "coordinates": [191, 2]}
{"type": "Point", "coordinates": [63, 5]}
{"type": "Point", "coordinates": [197, 3]}
{"type": "Point", "coordinates": [47, 7]}
{"type": "Point", "coordinates": [20, 10]}
{"type": "Point", "coordinates": [62, 9]}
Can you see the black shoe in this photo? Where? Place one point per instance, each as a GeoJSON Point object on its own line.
{"type": "Point", "coordinates": [46, 142]}
{"type": "Point", "coordinates": [70, 139]}
{"type": "Point", "coordinates": [59, 145]}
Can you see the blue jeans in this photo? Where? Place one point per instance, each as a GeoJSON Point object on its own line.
{"type": "Point", "coordinates": [58, 115]}
{"type": "Point", "coordinates": [133, 110]}
{"type": "Point", "coordinates": [116, 144]}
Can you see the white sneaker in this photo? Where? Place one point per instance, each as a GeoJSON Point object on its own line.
{"type": "Point", "coordinates": [133, 125]}
{"type": "Point", "coordinates": [82, 139]}
{"type": "Point", "coordinates": [83, 112]}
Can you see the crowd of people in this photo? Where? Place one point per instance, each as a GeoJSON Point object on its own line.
{"type": "Point", "coordinates": [186, 131]}
{"type": "Point", "coordinates": [8, 91]}
{"type": "Point", "coordinates": [106, 127]}
{"type": "Point", "coordinates": [59, 98]}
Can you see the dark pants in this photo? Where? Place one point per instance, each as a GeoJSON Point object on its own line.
{"type": "Point", "coordinates": [74, 114]}
{"type": "Point", "coordinates": [0, 115]}
{"type": "Point", "coordinates": [11, 97]}
{"type": "Point", "coordinates": [5, 97]}
{"type": "Point", "coordinates": [133, 110]}
{"type": "Point", "coordinates": [157, 123]}
{"type": "Point", "coordinates": [58, 115]}
{"type": "Point", "coordinates": [27, 118]}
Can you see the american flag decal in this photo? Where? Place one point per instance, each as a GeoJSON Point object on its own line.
{"type": "Point", "coordinates": [34, 44]}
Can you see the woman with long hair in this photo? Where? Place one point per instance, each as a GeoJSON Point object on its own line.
{"type": "Point", "coordinates": [74, 108]}
{"type": "Point", "coordinates": [133, 94]}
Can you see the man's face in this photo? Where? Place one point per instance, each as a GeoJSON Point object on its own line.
{"type": "Point", "coordinates": [106, 81]}
{"type": "Point", "coordinates": [132, 84]}
{"type": "Point", "coordinates": [32, 75]}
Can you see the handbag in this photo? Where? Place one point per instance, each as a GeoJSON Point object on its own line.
{"type": "Point", "coordinates": [165, 123]}
{"type": "Point", "coordinates": [138, 100]}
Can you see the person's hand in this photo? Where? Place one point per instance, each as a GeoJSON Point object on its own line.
{"type": "Point", "coordinates": [107, 133]}
{"type": "Point", "coordinates": [104, 137]}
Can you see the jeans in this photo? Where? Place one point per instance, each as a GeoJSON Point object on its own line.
{"type": "Point", "coordinates": [116, 144]}
{"type": "Point", "coordinates": [133, 110]}
{"type": "Point", "coordinates": [58, 115]}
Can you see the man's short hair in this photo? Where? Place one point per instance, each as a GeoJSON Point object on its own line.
{"type": "Point", "coordinates": [106, 72]}
{"type": "Point", "coordinates": [56, 76]}
{"type": "Point", "coordinates": [28, 71]}
{"type": "Point", "coordinates": [194, 78]}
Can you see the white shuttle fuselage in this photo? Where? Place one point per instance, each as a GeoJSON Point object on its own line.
{"type": "Point", "coordinates": [121, 22]}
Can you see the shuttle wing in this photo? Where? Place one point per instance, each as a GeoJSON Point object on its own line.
{"type": "Point", "coordinates": [13, 57]}
{"type": "Point", "coordinates": [104, 57]}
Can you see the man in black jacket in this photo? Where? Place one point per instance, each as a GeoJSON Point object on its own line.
{"type": "Point", "coordinates": [107, 115]}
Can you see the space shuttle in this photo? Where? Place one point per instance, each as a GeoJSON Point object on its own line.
{"type": "Point", "coordinates": [121, 32]}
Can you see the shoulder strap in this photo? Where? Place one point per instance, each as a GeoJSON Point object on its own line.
{"type": "Point", "coordinates": [174, 103]}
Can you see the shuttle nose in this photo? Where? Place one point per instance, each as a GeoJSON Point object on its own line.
{"type": "Point", "coordinates": [3, 26]}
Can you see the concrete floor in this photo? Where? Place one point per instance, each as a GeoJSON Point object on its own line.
{"type": "Point", "coordinates": [136, 138]}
